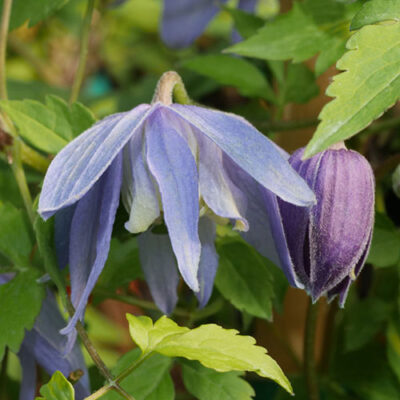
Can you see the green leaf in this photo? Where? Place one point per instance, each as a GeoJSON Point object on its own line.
{"type": "Point", "coordinates": [245, 280]}
{"type": "Point", "coordinates": [149, 381]}
{"type": "Point", "coordinates": [15, 242]}
{"type": "Point", "coordinates": [246, 24]}
{"type": "Point", "coordinates": [48, 127]}
{"type": "Point", "coordinates": [207, 384]}
{"type": "Point", "coordinates": [58, 388]}
{"type": "Point", "coordinates": [385, 246]}
{"type": "Point", "coordinates": [393, 347]}
{"type": "Point", "coordinates": [376, 11]}
{"type": "Point", "coordinates": [309, 28]}
{"type": "Point", "coordinates": [20, 300]}
{"type": "Point", "coordinates": [369, 85]}
{"type": "Point", "coordinates": [214, 347]}
{"type": "Point", "coordinates": [363, 320]}
{"type": "Point", "coordinates": [233, 71]}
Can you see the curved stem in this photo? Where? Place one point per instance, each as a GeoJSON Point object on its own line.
{"type": "Point", "coordinates": [5, 22]}
{"type": "Point", "coordinates": [80, 72]}
{"type": "Point", "coordinates": [309, 356]}
{"type": "Point", "coordinates": [171, 86]}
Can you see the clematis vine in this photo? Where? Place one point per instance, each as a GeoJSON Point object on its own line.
{"type": "Point", "coordinates": [45, 346]}
{"type": "Point", "coordinates": [321, 248]}
{"type": "Point", "coordinates": [185, 20]}
{"type": "Point", "coordinates": [169, 162]}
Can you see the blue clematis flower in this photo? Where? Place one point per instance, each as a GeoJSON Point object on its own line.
{"type": "Point", "coordinates": [169, 162]}
{"type": "Point", "coordinates": [185, 20]}
{"type": "Point", "coordinates": [324, 247]}
{"type": "Point", "coordinates": [44, 345]}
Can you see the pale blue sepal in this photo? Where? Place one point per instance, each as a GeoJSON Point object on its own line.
{"type": "Point", "coordinates": [172, 164]}
{"type": "Point", "coordinates": [27, 389]}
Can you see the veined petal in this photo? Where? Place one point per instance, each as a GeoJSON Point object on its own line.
{"type": "Point", "coordinates": [208, 260]}
{"type": "Point", "coordinates": [46, 345]}
{"type": "Point", "coordinates": [238, 139]}
{"type": "Point", "coordinates": [184, 20]}
{"type": "Point", "coordinates": [174, 168]}
{"type": "Point", "coordinates": [216, 188]}
{"type": "Point", "coordinates": [159, 266]}
{"type": "Point", "coordinates": [139, 191]}
{"type": "Point", "coordinates": [28, 384]}
{"type": "Point", "coordinates": [83, 161]}
{"type": "Point", "coordinates": [91, 230]}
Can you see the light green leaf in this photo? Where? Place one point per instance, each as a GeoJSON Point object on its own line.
{"type": "Point", "coordinates": [58, 388]}
{"type": "Point", "coordinates": [309, 28]}
{"type": "Point", "coordinates": [245, 280]}
{"type": "Point", "coordinates": [385, 246]}
{"type": "Point", "coordinates": [214, 347]}
{"type": "Point", "coordinates": [149, 381]}
{"type": "Point", "coordinates": [21, 300]}
{"type": "Point", "coordinates": [369, 85]}
{"type": "Point", "coordinates": [15, 242]}
{"type": "Point", "coordinates": [37, 11]}
{"type": "Point", "coordinates": [207, 384]}
{"type": "Point", "coordinates": [233, 71]}
{"type": "Point", "coordinates": [246, 24]}
{"type": "Point", "coordinates": [376, 11]}
{"type": "Point", "coordinates": [50, 126]}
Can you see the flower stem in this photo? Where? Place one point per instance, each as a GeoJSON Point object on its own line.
{"type": "Point", "coordinates": [80, 72]}
{"type": "Point", "coordinates": [5, 22]}
{"type": "Point", "coordinates": [309, 349]}
{"type": "Point", "coordinates": [171, 86]}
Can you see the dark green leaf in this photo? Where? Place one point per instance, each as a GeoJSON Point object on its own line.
{"type": "Point", "coordinates": [20, 300]}
{"type": "Point", "coordinates": [393, 347]}
{"type": "Point", "coordinates": [376, 11]}
{"type": "Point", "coordinates": [246, 24]}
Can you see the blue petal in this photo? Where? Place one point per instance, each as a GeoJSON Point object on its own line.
{"type": "Point", "coordinates": [91, 230]}
{"type": "Point", "coordinates": [83, 161]}
{"type": "Point", "coordinates": [46, 345]}
{"type": "Point", "coordinates": [208, 260]}
{"type": "Point", "coordinates": [252, 151]}
{"type": "Point", "coordinates": [139, 192]}
{"type": "Point", "coordinates": [28, 384]}
{"type": "Point", "coordinates": [184, 20]}
{"type": "Point", "coordinates": [62, 229]}
{"type": "Point", "coordinates": [174, 168]}
{"type": "Point", "coordinates": [216, 188]}
{"type": "Point", "coordinates": [159, 266]}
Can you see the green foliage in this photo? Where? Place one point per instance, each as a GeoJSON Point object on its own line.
{"type": "Point", "coordinates": [50, 126]}
{"type": "Point", "coordinates": [214, 347]}
{"type": "Point", "coordinates": [246, 24]}
{"type": "Point", "coordinates": [207, 384]}
{"type": "Point", "coordinates": [37, 11]}
{"type": "Point", "coordinates": [369, 85]}
{"type": "Point", "coordinates": [393, 346]}
{"type": "Point", "coordinates": [233, 71]}
{"type": "Point", "coordinates": [385, 246]}
{"type": "Point", "coordinates": [15, 241]}
{"type": "Point", "coordinates": [311, 27]}
{"type": "Point", "coordinates": [149, 381]}
{"type": "Point", "coordinates": [58, 388]}
{"type": "Point", "coordinates": [245, 280]}
{"type": "Point", "coordinates": [376, 11]}
{"type": "Point", "coordinates": [20, 299]}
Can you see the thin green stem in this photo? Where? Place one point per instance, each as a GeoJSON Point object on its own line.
{"type": "Point", "coordinates": [80, 72]}
{"type": "Point", "coordinates": [329, 336]}
{"type": "Point", "coordinates": [309, 352]}
{"type": "Point", "coordinates": [5, 22]}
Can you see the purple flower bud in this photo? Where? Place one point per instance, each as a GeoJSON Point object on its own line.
{"type": "Point", "coordinates": [329, 242]}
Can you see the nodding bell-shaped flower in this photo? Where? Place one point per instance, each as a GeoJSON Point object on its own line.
{"type": "Point", "coordinates": [169, 160]}
{"type": "Point", "coordinates": [323, 248]}
{"type": "Point", "coordinates": [184, 21]}
{"type": "Point", "coordinates": [45, 346]}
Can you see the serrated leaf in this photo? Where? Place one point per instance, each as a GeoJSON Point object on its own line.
{"type": "Point", "coordinates": [244, 280]}
{"type": "Point", "coordinates": [50, 126]}
{"type": "Point", "coordinates": [385, 245]}
{"type": "Point", "coordinates": [376, 11]}
{"type": "Point", "coordinates": [15, 242]}
{"type": "Point", "coordinates": [207, 384]}
{"type": "Point", "coordinates": [20, 300]}
{"type": "Point", "coordinates": [369, 85]}
{"type": "Point", "coordinates": [149, 381]}
{"type": "Point", "coordinates": [58, 388]}
{"type": "Point", "coordinates": [37, 11]}
{"type": "Point", "coordinates": [233, 71]}
{"type": "Point", "coordinates": [214, 347]}
{"type": "Point", "coordinates": [310, 27]}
